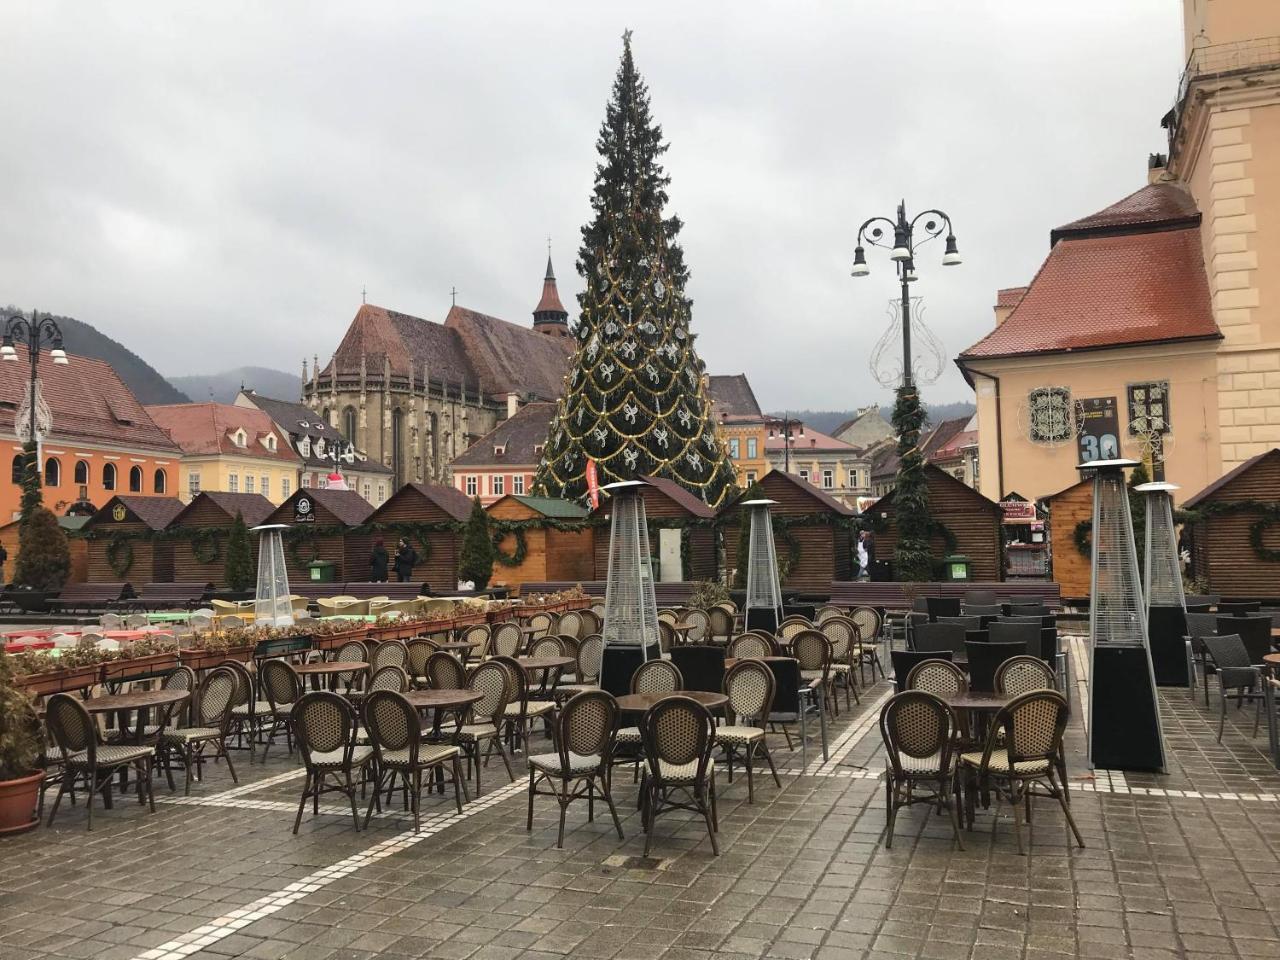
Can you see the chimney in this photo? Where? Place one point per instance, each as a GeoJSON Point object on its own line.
{"type": "Point", "coordinates": [1006, 301]}
{"type": "Point", "coordinates": [513, 404]}
{"type": "Point", "coordinates": [1157, 168]}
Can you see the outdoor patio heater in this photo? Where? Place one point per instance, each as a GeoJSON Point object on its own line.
{"type": "Point", "coordinates": [630, 608]}
{"type": "Point", "coordinates": [1166, 603]}
{"type": "Point", "coordinates": [1124, 714]}
{"type": "Point", "coordinates": [272, 605]}
{"type": "Point", "coordinates": [763, 608]}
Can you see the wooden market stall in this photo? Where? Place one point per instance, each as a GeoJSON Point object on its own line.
{"type": "Point", "coordinates": [1239, 512]}
{"type": "Point", "coordinates": [425, 514]}
{"type": "Point", "coordinates": [973, 520]}
{"type": "Point", "coordinates": [814, 540]}
{"type": "Point", "coordinates": [120, 545]}
{"type": "Point", "coordinates": [79, 572]}
{"type": "Point", "coordinates": [1068, 509]}
{"type": "Point", "coordinates": [549, 554]}
{"type": "Point", "coordinates": [318, 519]}
{"type": "Point", "coordinates": [200, 549]}
{"type": "Point", "coordinates": [678, 520]}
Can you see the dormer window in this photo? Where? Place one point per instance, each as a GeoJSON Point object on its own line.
{"type": "Point", "coordinates": [271, 442]}
{"type": "Point", "coordinates": [304, 446]}
{"type": "Point", "coordinates": [538, 448]}
{"type": "Point", "coordinates": [239, 438]}
{"type": "Point", "coordinates": [499, 449]}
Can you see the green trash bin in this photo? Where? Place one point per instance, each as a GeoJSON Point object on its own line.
{"type": "Point", "coordinates": [322, 571]}
{"type": "Point", "coordinates": [957, 567]}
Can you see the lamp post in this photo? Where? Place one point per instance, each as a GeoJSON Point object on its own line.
{"type": "Point", "coordinates": [902, 251]}
{"type": "Point", "coordinates": [787, 438]}
{"type": "Point", "coordinates": [34, 333]}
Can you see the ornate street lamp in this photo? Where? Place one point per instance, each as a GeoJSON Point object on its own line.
{"type": "Point", "coordinates": [34, 333]}
{"type": "Point", "coordinates": [908, 236]}
{"type": "Point", "coordinates": [785, 431]}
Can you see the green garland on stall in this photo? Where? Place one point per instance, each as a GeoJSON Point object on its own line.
{"type": "Point", "coordinates": [516, 557]}
{"type": "Point", "coordinates": [119, 555]}
{"type": "Point", "coordinates": [1268, 511]}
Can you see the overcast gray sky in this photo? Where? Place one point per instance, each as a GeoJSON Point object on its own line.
{"type": "Point", "coordinates": [213, 184]}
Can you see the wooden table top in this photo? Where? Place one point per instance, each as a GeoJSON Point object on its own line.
{"type": "Point", "coordinates": [978, 700]}
{"type": "Point", "coordinates": [457, 644]}
{"type": "Point", "coordinates": [639, 702]}
{"type": "Point", "coordinates": [544, 663]}
{"type": "Point", "coordinates": [331, 666]}
{"type": "Point", "coordinates": [730, 661]}
{"type": "Point", "coordinates": [135, 700]}
{"type": "Point", "coordinates": [424, 699]}
{"type": "Point", "coordinates": [1272, 659]}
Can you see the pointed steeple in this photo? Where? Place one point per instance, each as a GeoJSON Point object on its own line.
{"type": "Point", "coordinates": [550, 316]}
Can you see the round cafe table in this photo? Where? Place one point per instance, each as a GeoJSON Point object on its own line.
{"type": "Point", "coordinates": [544, 663]}
{"type": "Point", "coordinates": [441, 699]}
{"type": "Point", "coordinates": [122, 704]}
{"type": "Point", "coordinates": [461, 647]}
{"type": "Point", "coordinates": [640, 702]}
{"type": "Point", "coordinates": [328, 668]}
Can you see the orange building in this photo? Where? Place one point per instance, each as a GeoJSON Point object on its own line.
{"type": "Point", "coordinates": [102, 441]}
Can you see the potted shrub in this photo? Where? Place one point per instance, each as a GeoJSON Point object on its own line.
{"type": "Point", "coordinates": [19, 752]}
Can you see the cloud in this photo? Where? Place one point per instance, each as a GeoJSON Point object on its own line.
{"type": "Point", "coordinates": [214, 185]}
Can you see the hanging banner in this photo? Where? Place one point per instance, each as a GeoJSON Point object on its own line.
{"type": "Point", "coordinates": [593, 487]}
{"type": "Point", "coordinates": [1099, 433]}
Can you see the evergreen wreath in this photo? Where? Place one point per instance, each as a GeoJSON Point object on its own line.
{"type": "Point", "coordinates": [119, 555]}
{"type": "Point", "coordinates": [295, 548]}
{"type": "Point", "coordinates": [1256, 531]}
{"type": "Point", "coordinates": [1083, 538]}
{"type": "Point", "coordinates": [205, 545]}
{"type": "Point", "coordinates": [515, 558]}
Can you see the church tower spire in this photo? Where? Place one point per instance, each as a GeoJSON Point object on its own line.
{"type": "Point", "coordinates": [550, 316]}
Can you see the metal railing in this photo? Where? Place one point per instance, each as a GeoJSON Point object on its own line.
{"type": "Point", "coordinates": [1221, 60]}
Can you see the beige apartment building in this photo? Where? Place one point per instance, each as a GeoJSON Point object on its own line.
{"type": "Point", "coordinates": [1152, 330]}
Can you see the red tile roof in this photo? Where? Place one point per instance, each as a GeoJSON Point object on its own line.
{"type": "Point", "coordinates": [1167, 205]}
{"type": "Point", "coordinates": [550, 302]}
{"type": "Point", "coordinates": [89, 403]}
{"type": "Point", "coordinates": [941, 435]}
{"type": "Point", "coordinates": [811, 442]}
{"type": "Point", "coordinates": [210, 428]}
{"type": "Point", "coordinates": [510, 358]}
{"type": "Point", "coordinates": [1107, 291]}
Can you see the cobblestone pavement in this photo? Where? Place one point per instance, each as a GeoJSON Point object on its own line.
{"type": "Point", "coordinates": [1176, 865]}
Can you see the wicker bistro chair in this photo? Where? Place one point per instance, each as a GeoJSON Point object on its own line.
{"type": "Point", "coordinates": [179, 678]}
{"type": "Point", "coordinates": [521, 712]}
{"type": "Point", "coordinates": [247, 711]}
{"type": "Point", "coordinates": [481, 636]}
{"type": "Point", "coordinates": [748, 646]}
{"type": "Point", "coordinates": [845, 649]}
{"type": "Point", "coordinates": [324, 724]}
{"type": "Point", "coordinates": [590, 659]}
{"type": "Point", "coordinates": [668, 639]}
{"type": "Point", "coordinates": [484, 724]}
{"type": "Point", "coordinates": [941, 678]}
{"type": "Point", "coordinates": [985, 658]}
{"type": "Point", "coordinates": [353, 651]}
{"type": "Point", "coordinates": [282, 688]}
{"type": "Point", "coordinates": [700, 631]}
{"type": "Point", "coordinates": [445, 671]}
{"type": "Point", "coordinates": [1024, 748]}
{"type": "Point", "coordinates": [389, 653]}
{"type": "Point", "coordinates": [790, 626]}
{"type": "Point", "coordinates": [680, 772]}
{"type": "Point", "coordinates": [389, 677]}
{"type": "Point", "coordinates": [505, 639]}
{"type": "Point", "coordinates": [395, 733]}
{"type": "Point", "coordinates": [749, 685]}
{"type": "Point", "coordinates": [826, 612]}
{"type": "Point", "coordinates": [720, 624]}
{"type": "Point", "coordinates": [813, 651]}
{"type": "Point", "coordinates": [210, 723]}
{"type": "Point", "coordinates": [542, 623]}
{"type": "Point", "coordinates": [571, 625]}
{"type": "Point", "coordinates": [584, 741]}
{"type": "Point", "coordinates": [1236, 673]}
{"type": "Point", "coordinates": [870, 625]}
{"type": "Point", "coordinates": [1019, 675]}
{"type": "Point", "coordinates": [668, 615]}
{"type": "Point", "coordinates": [545, 680]}
{"type": "Point", "coordinates": [652, 676]}
{"type": "Point", "coordinates": [76, 736]}
{"type": "Point", "coordinates": [418, 650]}
{"type": "Point", "coordinates": [918, 730]}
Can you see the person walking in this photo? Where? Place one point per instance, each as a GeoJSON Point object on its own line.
{"type": "Point", "coordinates": [378, 561]}
{"type": "Point", "coordinates": [406, 560]}
{"type": "Point", "coordinates": [864, 571]}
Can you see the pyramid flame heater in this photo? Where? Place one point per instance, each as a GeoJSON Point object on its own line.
{"type": "Point", "coordinates": [630, 607]}
{"type": "Point", "coordinates": [1124, 714]}
{"type": "Point", "coordinates": [1166, 603]}
{"type": "Point", "coordinates": [272, 605]}
{"type": "Point", "coordinates": [763, 608]}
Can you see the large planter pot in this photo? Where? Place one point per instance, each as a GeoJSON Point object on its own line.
{"type": "Point", "coordinates": [31, 601]}
{"type": "Point", "coordinates": [18, 802]}
{"type": "Point", "coordinates": [59, 681]}
{"type": "Point", "coordinates": [115, 671]}
{"type": "Point", "coordinates": [207, 659]}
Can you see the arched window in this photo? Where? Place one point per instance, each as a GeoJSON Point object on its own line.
{"type": "Point", "coordinates": [161, 483]}
{"type": "Point", "coordinates": [82, 471]}
{"type": "Point", "coordinates": [349, 424]}
{"type": "Point", "coordinates": [324, 415]}
{"type": "Point", "coordinates": [135, 479]}
{"type": "Point", "coordinates": [109, 476]}
{"type": "Point", "coordinates": [397, 445]}
{"type": "Point", "coordinates": [17, 468]}
{"type": "Point", "coordinates": [52, 472]}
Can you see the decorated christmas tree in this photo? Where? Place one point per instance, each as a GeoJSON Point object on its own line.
{"type": "Point", "coordinates": [635, 401]}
